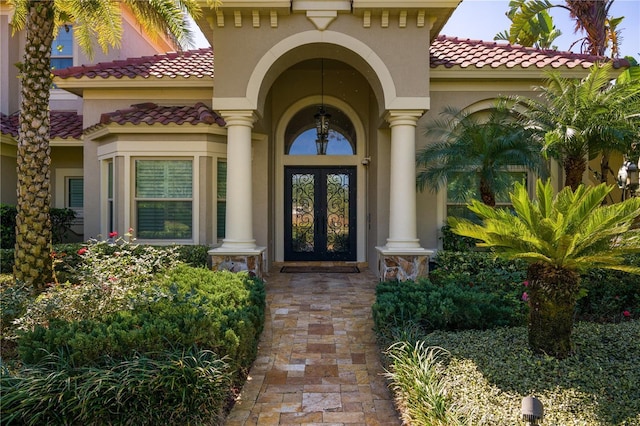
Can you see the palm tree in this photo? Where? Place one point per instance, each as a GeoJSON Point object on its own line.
{"type": "Point", "coordinates": [578, 120]}
{"type": "Point", "coordinates": [558, 237]}
{"type": "Point", "coordinates": [591, 16]}
{"type": "Point", "coordinates": [539, 31]}
{"type": "Point", "coordinates": [96, 21]}
{"type": "Point", "coordinates": [470, 150]}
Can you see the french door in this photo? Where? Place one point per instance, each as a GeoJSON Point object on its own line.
{"type": "Point", "coordinates": [320, 213]}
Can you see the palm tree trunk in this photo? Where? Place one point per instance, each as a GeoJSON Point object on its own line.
{"type": "Point", "coordinates": [33, 262]}
{"type": "Point", "coordinates": [552, 299]}
{"type": "Point", "coordinates": [574, 168]}
{"type": "Point", "coordinates": [486, 193]}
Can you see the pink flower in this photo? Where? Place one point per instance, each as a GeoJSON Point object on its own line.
{"type": "Point", "coordinates": [113, 234]}
{"type": "Point", "coordinates": [626, 314]}
{"type": "Point", "coordinates": [82, 251]}
{"type": "Point", "coordinates": [525, 296]}
{"type": "Point", "coordinates": [526, 283]}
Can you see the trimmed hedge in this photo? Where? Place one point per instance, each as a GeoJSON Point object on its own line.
{"type": "Point", "coordinates": [218, 311]}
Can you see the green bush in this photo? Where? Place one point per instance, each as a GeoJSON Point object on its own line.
{"type": "Point", "coordinates": [175, 388]}
{"type": "Point", "coordinates": [447, 307]}
{"type": "Point", "coordinates": [197, 255]}
{"type": "Point", "coordinates": [67, 258]}
{"type": "Point", "coordinates": [6, 261]}
{"type": "Point", "coordinates": [61, 220]}
{"type": "Point", "coordinates": [219, 311]}
{"type": "Point", "coordinates": [455, 242]}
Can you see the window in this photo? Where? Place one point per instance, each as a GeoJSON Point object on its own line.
{"type": "Point", "coordinates": [460, 191]}
{"type": "Point", "coordinates": [164, 199]}
{"type": "Point", "coordinates": [221, 199]}
{"type": "Point", "coordinates": [75, 193]}
{"type": "Point", "coordinates": [300, 135]}
{"type": "Point", "coordinates": [62, 49]}
{"type": "Point", "coordinates": [110, 205]}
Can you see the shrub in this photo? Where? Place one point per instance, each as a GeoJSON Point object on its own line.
{"type": "Point", "coordinates": [194, 255]}
{"type": "Point", "coordinates": [219, 311]}
{"type": "Point", "coordinates": [6, 261]}
{"type": "Point", "coordinates": [447, 307]}
{"type": "Point", "coordinates": [108, 276]}
{"type": "Point", "coordinates": [14, 297]}
{"type": "Point", "coordinates": [610, 296]}
{"type": "Point", "coordinates": [61, 221]}
{"type": "Point", "coordinates": [455, 242]}
{"type": "Point", "coordinates": [197, 255]}
{"type": "Point", "coordinates": [176, 388]}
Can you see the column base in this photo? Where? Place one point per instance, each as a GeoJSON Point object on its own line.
{"type": "Point", "coordinates": [396, 264]}
{"type": "Point", "coordinates": [238, 260]}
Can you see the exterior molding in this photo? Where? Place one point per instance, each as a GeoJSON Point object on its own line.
{"type": "Point", "coordinates": [308, 37]}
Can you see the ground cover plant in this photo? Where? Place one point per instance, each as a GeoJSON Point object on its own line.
{"type": "Point", "coordinates": [132, 336]}
{"type": "Point", "coordinates": [477, 372]}
{"type": "Point", "coordinates": [482, 376]}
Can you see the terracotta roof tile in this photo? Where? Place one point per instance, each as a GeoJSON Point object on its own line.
{"type": "Point", "coordinates": [445, 51]}
{"type": "Point", "coordinates": [9, 124]}
{"type": "Point", "coordinates": [151, 113]}
{"type": "Point", "coordinates": [451, 52]}
{"type": "Point", "coordinates": [64, 124]}
{"type": "Point", "coordinates": [193, 63]}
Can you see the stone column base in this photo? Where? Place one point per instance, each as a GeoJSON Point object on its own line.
{"type": "Point", "coordinates": [396, 265]}
{"type": "Point", "coordinates": [251, 261]}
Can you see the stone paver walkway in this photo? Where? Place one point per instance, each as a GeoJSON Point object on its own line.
{"type": "Point", "coordinates": [317, 362]}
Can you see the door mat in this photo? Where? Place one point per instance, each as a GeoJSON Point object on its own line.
{"type": "Point", "coordinates": [320, 269]}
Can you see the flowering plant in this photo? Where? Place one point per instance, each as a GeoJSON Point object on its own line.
{"type": "Point", "coordinates": [105, 276]}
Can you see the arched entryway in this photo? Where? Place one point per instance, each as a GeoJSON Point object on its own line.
{"type": "Point", "coordinates": [320, 198]}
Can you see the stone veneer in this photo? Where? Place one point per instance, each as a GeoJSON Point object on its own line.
{"type": "Point", "coordinates": [238, 263]}
{"type": "Point", "coordinates": [402, 267]}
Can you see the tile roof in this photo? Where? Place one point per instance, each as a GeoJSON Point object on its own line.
{"type": "Point", "coordinates": [445, 51]}
{"type": "Point", "coordinates": [192, 63]}
{"type": "Point", "coordinates": [464, 53]}
{"type": "Point", "coordinates": [64, 124]}
{"type": "Point", "coordinates": [151, 113]}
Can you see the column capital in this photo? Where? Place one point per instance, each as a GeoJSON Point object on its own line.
{"type": "Point", "coordinates": [407, 117]}
{"type": "Point", "coordinates": [238, 117]}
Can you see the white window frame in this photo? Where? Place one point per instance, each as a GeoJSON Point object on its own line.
{"type": "Point", "coordinates": [133, 199]}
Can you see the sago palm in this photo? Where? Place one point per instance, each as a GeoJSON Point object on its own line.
{"type": "Point", "coordinates": [559, 237]}
{"type": "Point", "coordinates": [95, 21]}
{"type": "Point", "coordinates": [580, 119]}
{"type": "Point", "coordinates": [468, 150]}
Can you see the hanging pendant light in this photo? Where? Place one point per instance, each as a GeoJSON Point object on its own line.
{"type": "Point", "coordinates": [322, 119]}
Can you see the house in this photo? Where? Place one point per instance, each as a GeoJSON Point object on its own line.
{"type": "Point", "coordinates": [230, 156]}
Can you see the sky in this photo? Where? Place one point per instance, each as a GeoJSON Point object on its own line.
{"type": "Point", "coordinates": [483, 19]}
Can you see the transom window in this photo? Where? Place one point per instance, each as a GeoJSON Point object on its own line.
{"type": "Point", "coordinates": [300, 135]}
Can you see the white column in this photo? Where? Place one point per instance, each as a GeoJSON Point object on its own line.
{"type": "Point", "coordinates": [403, 234]}
{"type": "Point", "coordinates": [239, 215]}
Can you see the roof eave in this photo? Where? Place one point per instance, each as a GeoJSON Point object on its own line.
{"type": "Point", "coordinates": [503, 72]}
{"type": "Point", "coordinates": [102, 130]}
{"type": "Point", "coordinates": [78, 85]}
